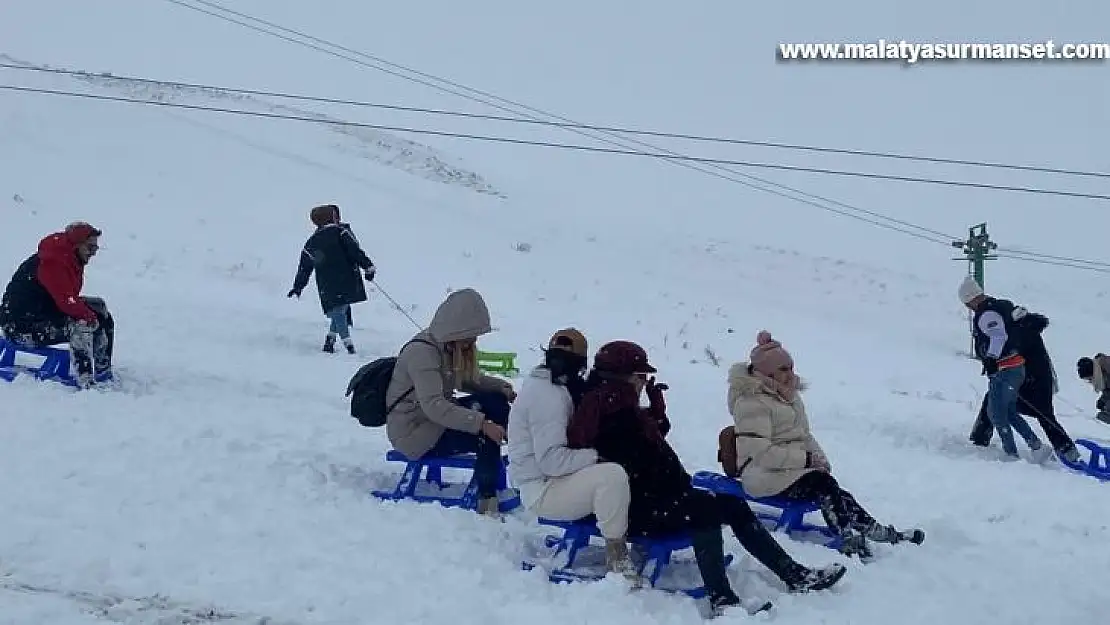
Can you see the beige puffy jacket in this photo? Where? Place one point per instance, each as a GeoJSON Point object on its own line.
{"type": "Point", "coordinates": [772, 435]}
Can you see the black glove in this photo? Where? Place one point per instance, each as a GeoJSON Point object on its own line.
{"type": "Point", "coordinates": [990, 366]}
{"type": "Point", "coordinates": [293, 293]}
{"type": "Point", "coordinates": [370, 273]}
{"type": "Point", "coordinates": [1101, 403]}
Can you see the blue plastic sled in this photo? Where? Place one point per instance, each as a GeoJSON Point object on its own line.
{"type": "Point", "coordinates": [1097, 464]}
{"type": "Point", "coordinates": [576, 536]}
{"type": "Point", "coordinates": [433, 489]}
{"type": "Point", "coordinates": [791, 513]}
{"type": "Point", "coordinates": [43, 363]}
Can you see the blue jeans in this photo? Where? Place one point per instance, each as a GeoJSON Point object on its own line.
{"type": "Point", "coordinates": [338, 318]}
{"type": "Point", "coordinates": [487, 465]}
{"type": "Point", "coordinates": [1002, 409]}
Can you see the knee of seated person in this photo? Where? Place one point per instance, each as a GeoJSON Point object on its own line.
{"type": "Point", "coordinates": [612, 475]}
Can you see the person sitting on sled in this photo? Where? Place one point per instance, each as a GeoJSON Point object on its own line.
{"type": "Point", "coordinates": [43, 305]}
{"type": "Point", "coordinates": [335, 255]}
{"type": "Point", "coordinates": [1097, 371]}
{"type": "Point", "coordinates": [557, 482]}
{"type": "Point", "coordinates": [664, 501]}
{"type": "Point", "coordinates": [771, 449]}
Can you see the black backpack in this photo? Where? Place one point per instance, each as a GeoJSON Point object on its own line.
{"type": "Point", "coordinates": [368, 386]}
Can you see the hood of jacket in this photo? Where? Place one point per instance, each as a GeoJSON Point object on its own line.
{"type": "Point", "coordinates": [744, 384]}
{"type": "Point", "coordinates": [463, 315]}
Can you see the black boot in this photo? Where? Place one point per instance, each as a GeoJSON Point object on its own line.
{"type": "Point", "coordinates": [709, 551]}
{"type": "Point", "coordinates": [329, 344]}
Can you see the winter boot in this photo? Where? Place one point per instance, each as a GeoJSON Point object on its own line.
{"type": "Point", "coordinates": [329, 343]}
{"type": "Point", "coordinates": [618, 560]}
{"type": "Point", "coordinates": [804, 579]}
{"type": "Point", "coordinates": [889, 534]}
{"type": "Point", "coordinates": [489, 506]}
{"type": "Point", "coordinates": [349, 344]}
{"type": "Point", "coordinates": [1069, 453]}
{"type": "Point", "coordinates": [709, 552]}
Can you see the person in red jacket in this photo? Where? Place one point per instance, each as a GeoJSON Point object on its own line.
{"type": "Point", "coordinates": [42, 304]}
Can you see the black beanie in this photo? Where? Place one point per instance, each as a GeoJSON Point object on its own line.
{"type": "Point", "coordinates": [1086, 368]}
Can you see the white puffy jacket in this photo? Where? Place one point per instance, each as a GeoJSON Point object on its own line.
{"type": "Point", "coordinates": [537, 434]}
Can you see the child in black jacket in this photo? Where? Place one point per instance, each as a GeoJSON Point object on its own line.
{"type": "Point", "coordinates": [335, 255]}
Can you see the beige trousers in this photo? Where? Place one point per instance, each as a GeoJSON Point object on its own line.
{"type": "Point", "coordinates": [600, 490]}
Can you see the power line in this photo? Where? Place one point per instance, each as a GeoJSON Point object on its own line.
{"type": "Point", "coordinates": [565, 146]}
{"type": "Point", "coordinates": [1057, 263]}
{"type": "Point", "coordinates": [1079, 261]}
{"type": "Point", "coordinates": [522, 120]}
{"type": "Point", "coordinates": [482, 97]}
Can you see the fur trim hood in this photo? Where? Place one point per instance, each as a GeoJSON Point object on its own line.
{"type": "Point", "coordinates": [741, 383]}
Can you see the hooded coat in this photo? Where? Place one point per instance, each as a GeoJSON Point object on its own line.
{"type": "Point", "coordinates": [772, 434]}
{"type": "Point", "coordinates": [46, 288]}
{"type": "Point", "coordinates": [416, 423]}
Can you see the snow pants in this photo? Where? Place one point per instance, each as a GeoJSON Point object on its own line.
{"type": "Point", "coordinates": [839, 508]}
{"type": "Point", "coordinates": [90, 345]}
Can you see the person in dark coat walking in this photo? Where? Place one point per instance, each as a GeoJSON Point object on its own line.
{"type": "Point", "coordinates": [609, 419]}
{"type": "Point", "coordinates": [996, 327]}
{"type": "Point", "coordinates": [336, 257]}
{"type": "Point", "coordinates": [43, 305]}
{"type": "Point", "coordinates": [1036, 393]}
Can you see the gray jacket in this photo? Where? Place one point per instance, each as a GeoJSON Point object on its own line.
{"type": "Point", "coordinates": [416, 423]}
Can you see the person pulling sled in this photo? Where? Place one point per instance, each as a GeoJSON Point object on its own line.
{"type": "Point", "coordinates": [337, 259]}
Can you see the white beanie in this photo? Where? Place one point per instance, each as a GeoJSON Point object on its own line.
{"type": "Point", "coordinates": [969, 289]}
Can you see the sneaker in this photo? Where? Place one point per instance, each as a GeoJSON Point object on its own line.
{"type": "Point", "coordinates": [818, 579]}
{"type": "Point", "coordinates": [1041, 454]}
{"type": "Point", "coordinates": [889, 534]}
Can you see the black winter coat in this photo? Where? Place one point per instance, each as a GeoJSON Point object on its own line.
{"type": "Point", "coordinates": [659, 484]}
{"type": "Point", "coordinates": [335, 256]}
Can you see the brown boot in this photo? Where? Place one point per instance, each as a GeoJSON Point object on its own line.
{"type": "Point", "coordinates": [489, 506]}
{"type": "Point", "coordinates": [617, 560]}
{"type": "Point", "coordinates": [726, 451]}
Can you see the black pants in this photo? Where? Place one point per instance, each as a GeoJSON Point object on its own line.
{"type": "Point", "coordinates": [88, 348]}
{"type": "Point", "coordinates": [487, 461]}
{"type": "Point", "coordinates": [702, 514]}
{"type": "Point", "coordinates": [838, 506]}
{"type": "Point", "coordinates": [1034, 400]}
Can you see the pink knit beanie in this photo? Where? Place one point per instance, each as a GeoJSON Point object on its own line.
{"type": "Point", "coordinates": [768, 355]}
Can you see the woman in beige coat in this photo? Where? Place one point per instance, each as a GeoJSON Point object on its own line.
{"type": "Point", "coordinates": [427, 418]}
{"type": "Point", "coordinates": [774, 453]}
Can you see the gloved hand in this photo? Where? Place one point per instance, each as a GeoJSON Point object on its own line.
{"type": "Point", "coordinates": [91, 324]}
{"type": "Point", "coordinates": [990, 366]}
{"type": "Point", "coordinates": [655, 395]}
{"type": "Point", "coordinates": [370, 273]}
{"type": "Point", "coordinates": [817, 460]}
{"type": "Point", "coordinates": [293, 293]}
{"type": "Point", "coordinates": [1100, 404]}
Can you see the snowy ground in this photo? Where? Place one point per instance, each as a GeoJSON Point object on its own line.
{"type": "Point", "coordinates": [226, 482]}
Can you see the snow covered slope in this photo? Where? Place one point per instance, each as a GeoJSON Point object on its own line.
{"type": "Point", "coordinates": [227, 473]}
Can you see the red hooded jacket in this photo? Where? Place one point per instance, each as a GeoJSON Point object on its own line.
{"type": "Point", "coordinates": [62, 274]}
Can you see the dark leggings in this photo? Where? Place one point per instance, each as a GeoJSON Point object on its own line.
{"type": "Point", "coordinates": [838, 506]}
{"type": "Point", "coordinates": [702, 514]}
{"type": "Point", "coordinates": [487, 469]}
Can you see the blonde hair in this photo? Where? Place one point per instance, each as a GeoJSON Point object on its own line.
{"type": "Point", "coordinates": [464, 362]}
